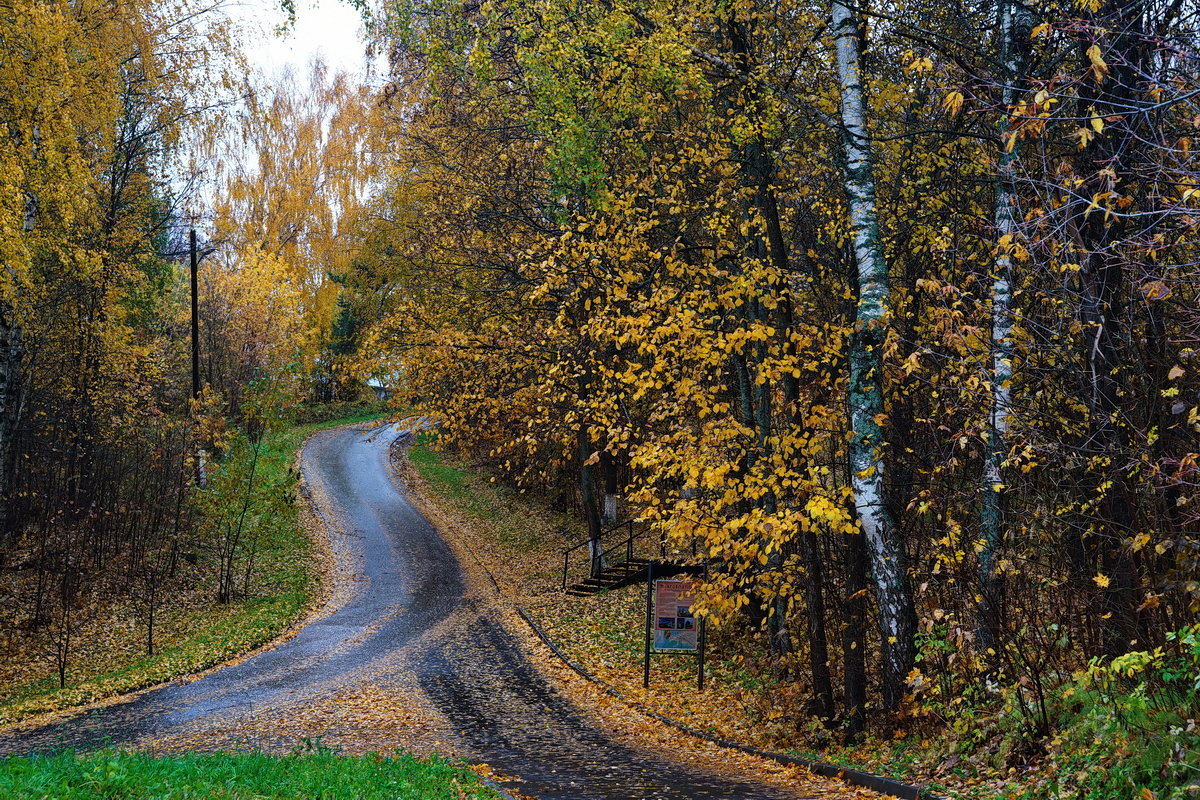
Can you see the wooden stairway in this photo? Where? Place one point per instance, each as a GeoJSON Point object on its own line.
{"type": "Point", "coordinates": [613, 576]}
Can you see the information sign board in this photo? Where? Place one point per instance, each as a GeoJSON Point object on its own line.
{"type": "Point", "coordinates": [674, 624]}
{"type": "Point", "coordinates": [671, 623]}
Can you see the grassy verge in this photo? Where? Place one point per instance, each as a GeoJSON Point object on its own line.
{"type": "Point", "coordinates": [192, 632]}
{"type": "Point", "coordinates": [237, 776]}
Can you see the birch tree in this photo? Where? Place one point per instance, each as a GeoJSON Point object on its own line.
{"type": "Point", "coordinates": [897, 620]}
{"type": "Point", "coordinates": [1014, 23]}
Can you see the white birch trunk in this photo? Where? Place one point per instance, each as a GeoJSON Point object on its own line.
{"type": "Point", "coordinates": [896, 616]}
{"type": "Point", "coordinates": [1014, 22]}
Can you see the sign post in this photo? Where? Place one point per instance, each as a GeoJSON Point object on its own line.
{"type": "Point", "coordinates": [671, 625]}
{"type": "Point", "coordinates": [649, 623]}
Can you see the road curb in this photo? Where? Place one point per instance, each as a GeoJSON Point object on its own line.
{"type": "Point", "coordinates": [496, 787]}
{"type": "Point", "coordinates": [867, 780]}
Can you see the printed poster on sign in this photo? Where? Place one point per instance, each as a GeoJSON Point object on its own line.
{"type": "Point", "coordinates": [674, 623]}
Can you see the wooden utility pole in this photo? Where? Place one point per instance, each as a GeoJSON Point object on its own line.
{"type": "Point", "coordinates": [195, 261]}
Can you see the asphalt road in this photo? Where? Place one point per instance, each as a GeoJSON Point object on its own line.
{"type": "Point", "coordinates": [406, 617]}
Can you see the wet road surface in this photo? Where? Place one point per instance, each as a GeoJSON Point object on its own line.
{"type": "Point", "coordinates": [406, 622]}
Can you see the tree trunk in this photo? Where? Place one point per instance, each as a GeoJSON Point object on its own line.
{"type": "Point", "coordinates": [1105, 165]}
{"type": "Point", "coordinates": [897, 619]}
{"type": "Point", "coordinates": [591, 502]}
{"type": "Point", "coordinates": [818, 648]}
{"type": "Point", "coordinates": [1014, 24]}
{"type": "Point", "coordinates": [854, 636]}
{"type": "Point", "coordinates": [814, 585]}
{"type": "Point", "coordinates": [10, 384]}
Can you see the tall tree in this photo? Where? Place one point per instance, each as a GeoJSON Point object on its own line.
{"type": "Point", "coordinates": [1013, 27]}
{"type": "Point", "coordinates": [897, 617]}
{"type": "Point", "coordinates": [1113, 51]}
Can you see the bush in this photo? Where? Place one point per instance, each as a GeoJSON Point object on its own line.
{"type": "Point", "coordinates": [1129, 727]}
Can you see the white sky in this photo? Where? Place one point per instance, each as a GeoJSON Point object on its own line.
{"type": "Point", "coordinates": [330, 28]}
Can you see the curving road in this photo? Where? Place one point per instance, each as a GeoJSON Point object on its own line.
{"type": "Point", "coordinates": [405, 623]}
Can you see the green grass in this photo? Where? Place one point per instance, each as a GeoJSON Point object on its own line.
{"type": "Point", "coordinates": [321, 775]}
{"type": "Point", "coordinates": [197, 633]}
{"type": "Point", "coordinates": [454, 483]}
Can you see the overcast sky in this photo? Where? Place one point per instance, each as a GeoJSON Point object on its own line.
{"type": "Point", "coordinates": [330, 28]}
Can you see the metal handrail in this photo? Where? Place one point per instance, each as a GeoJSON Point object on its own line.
{"type": "Point", "coordinates": [626, 524]}
{"type": "Point", "coordinates": [626, 542]}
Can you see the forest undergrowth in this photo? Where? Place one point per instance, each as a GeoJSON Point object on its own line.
{"type": "Point", "coordinates": [1124, 727]}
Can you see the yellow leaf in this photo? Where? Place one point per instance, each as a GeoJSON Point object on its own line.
{"type": "Point", "coordinates": [1175, 372]}
{"type": "Point", "coordinates": [1099, 66]}
{"type": "Point", "coordinates": [1156, 290]}
{"type": "Point", "coordinates": [1101, 580]}
{"type": "Point", "coordinates": [1151, 601]}
{"type": "Point", "coordinates": [920, 65]}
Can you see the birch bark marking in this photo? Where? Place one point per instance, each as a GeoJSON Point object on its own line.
{"type": "Point", "coordinates": [1014, 23]}
{"type": "Point", "coordinates": [896, 616]}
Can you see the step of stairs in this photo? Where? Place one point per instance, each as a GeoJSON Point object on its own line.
{"type": "Point", "coordinates": [612, 577]}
